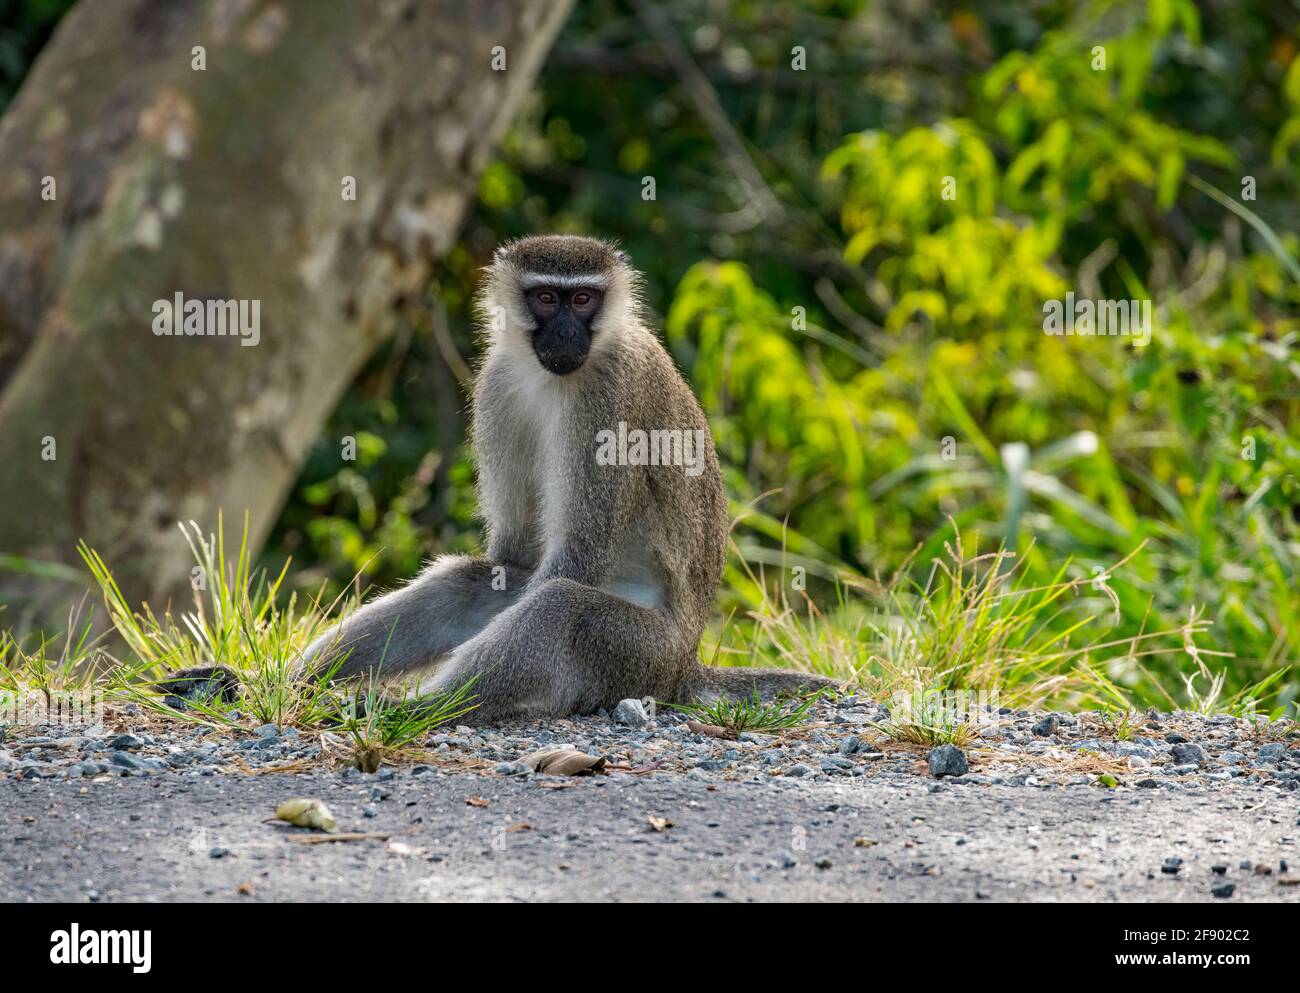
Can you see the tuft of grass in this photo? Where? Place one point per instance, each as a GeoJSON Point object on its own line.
{"type": "Point", "coordinates": [237, 622]}
{"type": "Point", "coordinates": [969, 623]}
{"type": "Point", "coordinates": [752, 714]}
{"type": "Point", "coordinates": [1122, 725]}
{"type": "Point", "coordinates": [959, 733]}
{"type": "Point", "coordinates": [930, 719]}
{"type": "Point", "coordinates": [33, 664]}
{"type": "Point", "coordinates": [240, 623]}
{"type": "Point", "coordinates": [383, 729]}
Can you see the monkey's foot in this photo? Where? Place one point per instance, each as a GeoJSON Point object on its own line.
{"type": "Point", "coordinates": [206, 684]}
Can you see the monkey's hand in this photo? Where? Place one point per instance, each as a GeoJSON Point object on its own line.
{"type": "Point", "coordinates": [211, 685]}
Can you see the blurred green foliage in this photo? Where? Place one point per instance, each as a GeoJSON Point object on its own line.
{"type": "Point", "coordinates": [870, 351]}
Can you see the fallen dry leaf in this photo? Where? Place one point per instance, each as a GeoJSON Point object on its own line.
{"type": "Point", "coordinates": [307, 812]}
{"type": "Point", "coordinates": [563, 762]}
{"type": "Point", "coordinates": [476, 801]}
{"type": "Point", "coordinates": [864, 842]}
{"type": "Point", "coordinates": [521, 826]}
{"type": "Point", "coordinates": [246, 889]}
{"type": "Point", "coordinates": [659, 824]}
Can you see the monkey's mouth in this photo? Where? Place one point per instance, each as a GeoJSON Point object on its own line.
{"type": "Point", "coordinates": [562, 361]}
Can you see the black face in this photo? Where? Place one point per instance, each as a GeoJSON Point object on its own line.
{"type": "Point", "coordinates": [563, 336]}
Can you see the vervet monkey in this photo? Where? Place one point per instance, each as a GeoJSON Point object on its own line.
{"type": "Point", "coordinates": [598, 578]}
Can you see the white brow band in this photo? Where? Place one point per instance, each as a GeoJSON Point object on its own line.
{"type": "Point", "coordinates": [531, 280]}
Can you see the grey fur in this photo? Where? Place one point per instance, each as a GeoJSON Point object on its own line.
{"type": "Point", "coordinates": [605, 574]}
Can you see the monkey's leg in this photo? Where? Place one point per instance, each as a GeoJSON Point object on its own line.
{"type": "Point", "coordinates": [567, 648]}
{"type": "Point", "coordinates": [413, 626]}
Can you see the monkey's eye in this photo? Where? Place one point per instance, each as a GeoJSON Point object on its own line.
{"type": "Point", "coordinates": [547, 298]}
{"type": "Point", "coordinates": [585, 301]}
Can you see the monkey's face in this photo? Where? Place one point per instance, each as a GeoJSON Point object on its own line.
{"type": "Point", "coordinates": [562, 338]}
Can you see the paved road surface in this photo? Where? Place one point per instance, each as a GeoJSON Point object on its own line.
{"type": "Point", "coordinates": [151, 839]}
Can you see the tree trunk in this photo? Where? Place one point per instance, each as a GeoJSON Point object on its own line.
{"type": "Point", "coordinates": [225, 183]}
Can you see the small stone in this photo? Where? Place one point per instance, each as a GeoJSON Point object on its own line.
{"type": "Point", "coordinates": [125, 742]}
{"type": "Point", "coordinates": [1219, 869]}
{"type": "Point", "coordinates": [1274, 750]}
{"type": "Point", "coordinates": [1188, 753]}
{"type": "Point", "coordinates": [217, 852]}
{"type": "Point", "coordinates": [823, 863]}
{"type": "Point", "coordinates": [1174, 738]}
{"type": "Point", "coordinates": [631, 712]}
{"type": "Point", "coordinates": [1047, 726]}
{"type": "Point", "coordinates": [267, 731]}
{"type": "Point", "coordinates": [126, 760]}
{"type": "Point", "coordinates": [1171, 865]}
{"type": "Point", "coordinates": [1223, 890]}
{"type": "Point", "coordinates": [947, 760]}
{"type": "Point", "coordinates": [512, 769]}
{"type": "Point", "coordinates": [798, 770]}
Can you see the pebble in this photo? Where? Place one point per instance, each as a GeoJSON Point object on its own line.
{"type": "Point", "coordinates": [947, 760]}
{"type": "Point", "coordinates": [1047, 726]}
{"type": "Point", "coordinates": [1187, 753]}
{"type": "Point", "coordinates": [632, 713]}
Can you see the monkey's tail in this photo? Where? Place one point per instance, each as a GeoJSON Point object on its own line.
{"type": "Point", "coordinates": [710, 682]}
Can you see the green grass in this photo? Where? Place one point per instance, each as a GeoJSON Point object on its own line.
{"type": "Point", "coordinates": [969, 622]}
{"type": "Point", "coordinates": [242, 622]}
{"type": "Point", "coordinates": [939, 726]}
{"type": "Point", "coordinates": [1122, 725]}
{"type": "Point", "coordinates": [752, 714]}
{"type": "Point", "coordinates": [382, 729]}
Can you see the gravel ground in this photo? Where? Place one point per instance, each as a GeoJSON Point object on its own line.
{"type": "Point", "coordinates": [1046, 807]}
